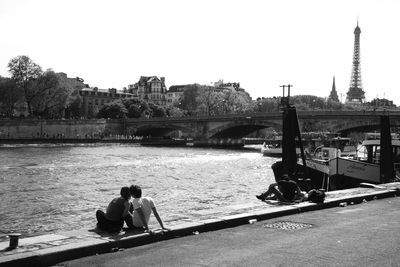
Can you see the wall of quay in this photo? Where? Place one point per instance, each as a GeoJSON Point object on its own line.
{"type": "Point", "coordinates": [36, 128]}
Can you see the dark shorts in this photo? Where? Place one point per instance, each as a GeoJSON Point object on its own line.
{"type": "Point", "coordinates": [106, 225]}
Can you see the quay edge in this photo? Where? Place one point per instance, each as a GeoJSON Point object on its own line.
{"type": "Point", "coordinates": [77, 244]}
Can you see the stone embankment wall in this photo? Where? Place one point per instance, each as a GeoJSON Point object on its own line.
{"type": "Point", "coordinates": [35, 128]}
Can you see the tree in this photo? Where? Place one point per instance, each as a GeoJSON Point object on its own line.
{"type": "Point", "coordinates": [335, 105]}
{"type": "Point", "coordinates": [157, 111]}
{"type": "Point", "coordinates": [267, 105]}
{"type": "Point", "coordinates": [94, 112]}
{"type": "Point", "coordinates": [205, 99]}
{"type": "Point", "coordinates": [48, 95]}
{"type": "Point", "coordinates": [134, 111]}
{"type": "Point", "coordinates": [230, 102]}
{"type": "Point", "coordinates": [189, 99]}
{"type": "Point", "coordinates": [23, 70]}
{"type": "Point", "coordinates": [237, 102]}
{"type": "Point", "coordinates": [113, 110]}
{"type": "Point", "coordinates": [53, 94]}
{"type": "Point", "coordinates": [74, 108]}
{"type": "Point", "coordinates": [218, 105]}
{"type": "Point", "coordinates": [377, 102]}
{"type": "Point", "coordinates": [10, 95]}
{"type": "Point", "coordinates": [209, 102]}
{"type": "Point", "coordinates": [175, 112]}
{"type": "Point", "coordinates": [145, 109]}
{"type": "Point", "coordinates": [71, 107]}
{"type": "Point", "coordinates": [134, 107]}
{"type": "Point", "coordinates": [313, 102]}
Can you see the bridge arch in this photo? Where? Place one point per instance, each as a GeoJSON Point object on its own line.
{"type": "Point", "coordinates": [240, 129]}
{"type": "Point", "coordinates": [239, 125]}
{"type": "Point", "coordinates": [345, 127]}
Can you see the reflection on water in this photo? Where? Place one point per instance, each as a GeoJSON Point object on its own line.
{"type": "Point", "coordinates": [51, 188]}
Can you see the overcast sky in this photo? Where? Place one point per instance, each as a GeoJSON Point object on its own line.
{"type": "Point", "coordinates": [260, 44]}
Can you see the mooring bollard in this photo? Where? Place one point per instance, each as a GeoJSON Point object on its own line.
{"type": "Point", "coordinates": [252, 221]}
{"type": "Point", "coordinates": [14, 237]}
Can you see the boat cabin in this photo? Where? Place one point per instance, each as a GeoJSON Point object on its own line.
{"type": "Point", "coordinates": [369, 151]}
{"type": "Point", "coordinates": [335, 147]}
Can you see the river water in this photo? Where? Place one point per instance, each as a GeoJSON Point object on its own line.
{"type": "Point", "coordinates": [49, 188]}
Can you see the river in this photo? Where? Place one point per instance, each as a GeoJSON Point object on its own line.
{"type": "Point", "coordinates": [50, 188]}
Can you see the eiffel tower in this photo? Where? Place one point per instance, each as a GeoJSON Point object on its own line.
{"type": "Point", "coordinates": [356, 95]}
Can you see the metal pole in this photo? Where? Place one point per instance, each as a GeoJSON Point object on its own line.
{"type": "Point", "coordinates": [283, 90]}
{"type": "Point", "coordinates": [289, 85]}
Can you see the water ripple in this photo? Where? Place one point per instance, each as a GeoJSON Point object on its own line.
{"type": "Point", "coordinates": [52, 188]}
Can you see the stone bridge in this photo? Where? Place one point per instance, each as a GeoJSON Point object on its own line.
{"type": "Point", "coordinates": [238, 126]}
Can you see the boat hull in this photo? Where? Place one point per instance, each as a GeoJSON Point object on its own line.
{"type": "Point", "coordinates": [272, 152]}
{"type": "Point", "coordinates": [275, 152]}
{"type": "Point", "coordinates": [340, 173]}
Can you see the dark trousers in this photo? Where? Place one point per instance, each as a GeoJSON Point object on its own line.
{"type": "Point", "coordinates": [106, 225]}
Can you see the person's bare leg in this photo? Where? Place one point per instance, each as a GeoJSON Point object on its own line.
{"type": "Point", "coordinates": [272, 191]}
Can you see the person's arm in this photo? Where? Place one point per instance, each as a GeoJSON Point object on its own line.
{"type": "Point", "coordinates": [300, 195]}
{"type": "Point", "coordinates": [298, 190]}
{"type": "Point", "coordinates": [126, 209]}
{"type": "Point", "coordinates": [129, 216]}
{"type": "Point", "coordinates": [273, 185]}
{"type": "Point", "coordinates": [159, 219]}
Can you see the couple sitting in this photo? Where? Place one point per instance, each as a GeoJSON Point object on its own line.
{"type": "Point", "coordinates": [285, 190]}
{"type": "Point", "coordinates": [135, 214]}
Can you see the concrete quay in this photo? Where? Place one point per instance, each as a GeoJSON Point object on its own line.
{"type": "Point", "coordinates": [198, 241]}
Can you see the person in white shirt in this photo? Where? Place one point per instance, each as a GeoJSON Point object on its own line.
{"type": "Point", "coordinates": [142, 207]}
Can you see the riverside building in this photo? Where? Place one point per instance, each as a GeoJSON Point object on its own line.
{"type": "Point", "coordinates": [151, 89]}
{"type": "Point", "coordinates": [94, 99]}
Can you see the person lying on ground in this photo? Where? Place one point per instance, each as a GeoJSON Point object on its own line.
{"type": "Point", "coordinates": [284, 190]}
{"type": "Point", "coordinates": [142, 207]}
{"type": "Point", "coordinates": [116, 212]}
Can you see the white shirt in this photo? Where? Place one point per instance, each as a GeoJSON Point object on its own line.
{"type": "Point", "coordinates": [146, 203]}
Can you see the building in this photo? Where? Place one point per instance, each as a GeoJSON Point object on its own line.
{"type": "Point", "coordinates": [175, 94]}
{"type": "Point", "coordinates": [220, 85]}
{"type": "Point", "coordinates": [333, 95]}
{"type": "Point", "coordinates": [151, 89]}
{"type": "Point", "coordinates": [93, 99]}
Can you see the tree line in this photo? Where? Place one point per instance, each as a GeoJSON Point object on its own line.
{"type": "Point", "coordinates": [47, 94]}
{"type": "Point", "coordinates": [41, 93]}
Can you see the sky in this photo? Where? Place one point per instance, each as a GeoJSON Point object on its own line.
{"type": "Point", "coordinates": [261, 44]}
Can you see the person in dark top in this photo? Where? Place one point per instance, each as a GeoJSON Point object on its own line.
{"type": "Point", "coordinates": [284, 190]}
{"type": "Point", "coordinates": [117, 211]}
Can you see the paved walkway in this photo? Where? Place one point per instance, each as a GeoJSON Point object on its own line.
{"type": "Point", "coordinates": [230, 246]}
{"type": "Point", "coordinates": [357, 235]}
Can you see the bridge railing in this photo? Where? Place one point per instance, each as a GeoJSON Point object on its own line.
{"type": "Point", "coordinates": [248, 116]}
{"type": "Point", "coordinates": [273, 115]}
